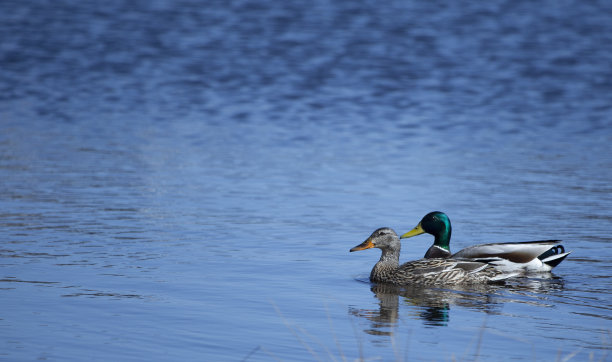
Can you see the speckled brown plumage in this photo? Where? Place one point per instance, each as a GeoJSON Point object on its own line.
{"type": "Point", "coordinates": [423, 271]}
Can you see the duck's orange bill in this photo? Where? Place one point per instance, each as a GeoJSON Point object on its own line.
{"type": "Point", "coordinates": [365, 245]}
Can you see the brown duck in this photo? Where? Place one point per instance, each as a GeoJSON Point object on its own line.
{"type": "Point", "coordinates": [423, 271]}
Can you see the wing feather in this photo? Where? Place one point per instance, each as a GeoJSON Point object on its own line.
{"type": "Point", "coordinates": [521, 252]}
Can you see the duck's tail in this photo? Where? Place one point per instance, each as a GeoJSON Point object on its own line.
{"type": "Point", "coordinates": [554, 259]}
{"type": "Point", "coordinates": [553, 256]}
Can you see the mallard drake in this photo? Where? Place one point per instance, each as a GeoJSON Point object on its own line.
{"type": "Point", "coordinates": [423, 271]}
{"type": "Point", "coordinates": [524, 256]}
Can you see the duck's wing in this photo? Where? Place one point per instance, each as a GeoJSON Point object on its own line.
{"type": "Point", "coordinates": [451, 271]}
{"type": "Point", "coordinates": [520, 252]}
{"type": "Point", "coordinates": [471, 266]}
{"type": "Point", "coordinates": [425, 266]}
{"type": "Point", "coordinates": [486, 270]}
{"type": "Point", "coordinates": [431, 271]}
{"type": "Point", "coordinates": [531, 256]}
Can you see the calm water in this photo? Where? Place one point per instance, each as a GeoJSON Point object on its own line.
{"type": "Point", "coordinates": [182, 180]}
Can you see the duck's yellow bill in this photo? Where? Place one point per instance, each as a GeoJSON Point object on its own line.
{"type": "Point", "coordinates": [418, 230]}
{"type": "Point", "coordinates": [365, 245]}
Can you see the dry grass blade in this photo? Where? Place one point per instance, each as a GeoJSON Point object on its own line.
{"type": "Point", "coordinates": [295, 334]}
{"type": "Point", "coordinates": [331, 326]}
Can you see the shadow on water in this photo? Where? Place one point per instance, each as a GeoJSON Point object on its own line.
{"type": "Point", "coordinates": [433, 305]}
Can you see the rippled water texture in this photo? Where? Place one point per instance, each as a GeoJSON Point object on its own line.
{"type": "Point", "coordinates": [182, 180]}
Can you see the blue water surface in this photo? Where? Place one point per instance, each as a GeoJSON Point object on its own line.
{"type": "Point", "coordinates": [182, 180]}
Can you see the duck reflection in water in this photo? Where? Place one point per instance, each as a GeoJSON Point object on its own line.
{"type": "Point", "coordinates": [433, 305]}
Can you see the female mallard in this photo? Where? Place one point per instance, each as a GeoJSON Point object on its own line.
{"type": "Point", "coordinates": [520, 256]}
{"type": "Point", "coordinates": [423, 271]}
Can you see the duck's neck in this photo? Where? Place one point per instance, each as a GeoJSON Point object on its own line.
{"type": "Point", "coordinates": [443, 236]}
{"type": "Point", "coordinates": [386, 266]}
{"type": "Point", "coordinates": [437, 252]}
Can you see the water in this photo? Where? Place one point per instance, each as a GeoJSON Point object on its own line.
{"type": "Point", "coordinates": [182, 180]}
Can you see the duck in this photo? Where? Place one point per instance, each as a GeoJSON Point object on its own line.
{"type": "Point", "coordinates": [426, 271]}
{"type": "Point", "coordinates": [526, 256]}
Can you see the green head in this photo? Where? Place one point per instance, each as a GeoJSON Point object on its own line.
{"type": "Point", "coordinates": [437, 224]}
